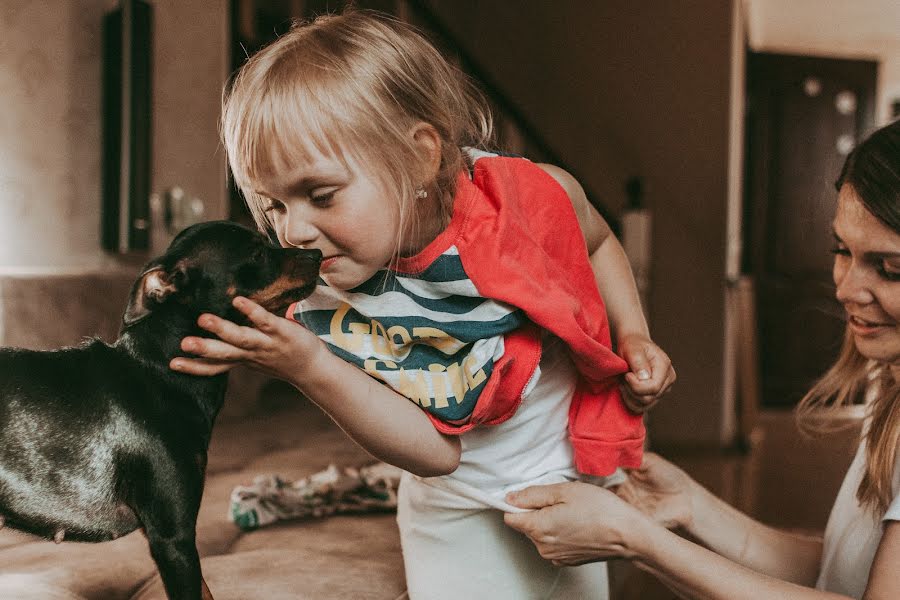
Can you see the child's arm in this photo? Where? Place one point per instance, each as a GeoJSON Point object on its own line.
{"type": "Point", "coordinates": [383, 422]}
{"type": "Point", "coordinates": [651, 373]}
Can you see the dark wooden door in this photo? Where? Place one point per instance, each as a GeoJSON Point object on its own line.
{"type": "Point", "coordinates": [804, 115]}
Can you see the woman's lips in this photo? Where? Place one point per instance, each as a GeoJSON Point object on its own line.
{"type": "Point", "coordinates": [862, 326]}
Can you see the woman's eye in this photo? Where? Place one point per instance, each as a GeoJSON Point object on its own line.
{"type": "Point", "coordinates": [888, 270]}
{"type": "Point", "coordinates": [840, 250]}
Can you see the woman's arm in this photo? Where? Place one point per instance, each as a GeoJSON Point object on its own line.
{"type": "Point", "coordinates": [668, 496]}
{"type": "Point", "coordinates": [884, 584]}
{"type": "Point", "coordinates": [696, 572]}
{"type": "Point", "coordinates": [737, 537]}
{"type": "Point", "coordinates": [651, 369]}
{"type": "Point", "coordinates": [576, 523]}
{"type": "Point", "coordinates": [383, 422]}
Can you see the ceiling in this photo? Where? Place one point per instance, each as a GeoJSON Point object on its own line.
{"type": "Point", "coordinates": [851, 28]}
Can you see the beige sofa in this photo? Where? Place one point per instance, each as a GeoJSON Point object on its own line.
{"type": "Point", "coordinates": [265, 427]}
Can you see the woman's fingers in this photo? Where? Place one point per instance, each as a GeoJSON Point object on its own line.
{"type": "Point", "coordinates": [536, 496]}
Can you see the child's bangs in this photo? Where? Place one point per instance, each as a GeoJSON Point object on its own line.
{"type": "Point", "coordinates": [283, 134]}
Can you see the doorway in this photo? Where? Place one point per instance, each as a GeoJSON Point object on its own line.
{"type": "Point", "coordinates": [804, 115]}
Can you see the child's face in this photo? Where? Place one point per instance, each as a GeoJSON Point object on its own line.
{"type": "Point", "coordinates": [344, 211]}
{"type": "Point", "coordinates": [867, 275]}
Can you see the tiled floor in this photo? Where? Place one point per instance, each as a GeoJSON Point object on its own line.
{"type": "Point", "coordinates": [785, 480]}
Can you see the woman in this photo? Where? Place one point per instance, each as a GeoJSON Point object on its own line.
{"type": "Point", "coordinates": [860, 554]}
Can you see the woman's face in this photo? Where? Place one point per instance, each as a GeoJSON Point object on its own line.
{"type": "Point", "coordinates": [867, 275]}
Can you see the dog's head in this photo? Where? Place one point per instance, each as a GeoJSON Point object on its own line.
{"type": "Point", "coordinates": [208, 264]}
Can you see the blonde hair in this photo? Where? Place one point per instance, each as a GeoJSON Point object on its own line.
{"type": "Point", "coordinates": [351, 87]}
{"type": "Point", "coordinates": [848, 382]}
{"type": "Point", "coordinates": [872, 173]}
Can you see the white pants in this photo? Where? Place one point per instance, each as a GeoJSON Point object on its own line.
{"type": "Point", "coordinates": [455, 543]}
{"type": "Point", "coordinates": [456, 553]}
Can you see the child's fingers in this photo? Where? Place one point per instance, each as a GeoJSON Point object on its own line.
{"type": "Point", "coordinates": [213, 349]}
{"type": "Point", "coordinates": [638, 404]}
{"type": "Point", "coordinates": [638, 363]}
{"type": "Point", "coordinates": [260, 317]}
{"type": "Point", "coordinates": [661, 374]}
{"type": "Point", "coordinates": [648, 387]}
{"type": "Point", "coordinates": [669, 380]}
{"type": "Point", "coordinates": [199, 366]}
{"type": "Point", "coordinates": [272, 325]}
{"type": "Point", "coordinates": [246, 338]}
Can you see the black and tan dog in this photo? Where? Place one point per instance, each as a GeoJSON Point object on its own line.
{"type": "Point", "coordinates": [99, 440]}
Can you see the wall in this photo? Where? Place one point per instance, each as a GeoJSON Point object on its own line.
{"type": "Point", "coordinates": [650, 83]}
{"type": "Point", "coordinates": [863, 29]}
{"type": "Point", "coordinates": [50, 72]}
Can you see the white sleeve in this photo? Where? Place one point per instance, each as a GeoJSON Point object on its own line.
{"type": "Point", "coordinates": [893, 511]}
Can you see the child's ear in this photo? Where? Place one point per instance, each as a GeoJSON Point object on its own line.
{"type": "Point", "coordinates": [427, 139]}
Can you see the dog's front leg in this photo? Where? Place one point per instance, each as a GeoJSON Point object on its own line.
{"type": "Point", "coordinates": [166, 503]}
{"type": "Point", "coordinates": [179, 567]}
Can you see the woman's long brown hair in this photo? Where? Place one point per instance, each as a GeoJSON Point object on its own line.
{"type": "Point", "coordinates": [873, 172]}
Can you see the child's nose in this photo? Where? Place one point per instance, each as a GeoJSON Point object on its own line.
{"type": "Point", "coordinates": [300, 233]}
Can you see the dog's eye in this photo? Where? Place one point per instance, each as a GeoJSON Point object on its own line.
{"type": "Point", "coordinates": [179, 278]}
{"type": "Point", "coordinates": [259, 255]}
{"type": "Point", "coordinates": [248, 275]}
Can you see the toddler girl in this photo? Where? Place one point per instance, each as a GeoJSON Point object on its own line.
{"type": "Point", "coordinates": [457, 330]}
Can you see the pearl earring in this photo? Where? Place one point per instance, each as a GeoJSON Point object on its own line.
{"type": "Point", "coordinates": [421, 193]}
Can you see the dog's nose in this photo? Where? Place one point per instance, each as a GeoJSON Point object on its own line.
{"type": "Point", "coordinates": [307, 260]}
{"type": "Point", "coordinates": [310, 255]}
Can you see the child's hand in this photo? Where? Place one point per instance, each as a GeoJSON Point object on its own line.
{"type": "Point", "coordinates": [274, 345]}
{"type": "Point", "coordinates": [651, 373]}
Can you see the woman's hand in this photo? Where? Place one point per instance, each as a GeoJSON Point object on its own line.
{"type": "Point", "coordinates": [660, 490]}
{"type": "Point", "coordinates": [650, 372]}
{"type": "Point", "coordinates": [575, 523]}
{"type": "Point", "coordinates": [274, 345]}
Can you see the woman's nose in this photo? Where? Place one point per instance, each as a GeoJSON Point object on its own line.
{"type": "Point", "coordinates": [852, 285]}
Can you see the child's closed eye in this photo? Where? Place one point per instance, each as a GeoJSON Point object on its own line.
{"type": "Point", "coordinates": [270, 205]}
{"type": "Point", "coordinates": [322, 199]}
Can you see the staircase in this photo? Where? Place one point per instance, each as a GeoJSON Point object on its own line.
{"type": "Point", "coordinates": [258, 22]}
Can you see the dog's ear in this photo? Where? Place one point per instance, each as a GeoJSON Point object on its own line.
{"type": "Point", "coordinates": [151, 288]}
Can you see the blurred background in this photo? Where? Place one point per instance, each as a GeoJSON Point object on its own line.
{"type": "Point", "coordinates": [708, 132]}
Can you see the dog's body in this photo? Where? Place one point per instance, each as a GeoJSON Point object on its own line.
{"type": "Point", "coordinates": [99, 440]}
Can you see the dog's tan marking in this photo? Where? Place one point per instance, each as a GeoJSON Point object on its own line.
{"type": "Point", "coordinates": [60, 536]}
{"type": "Point", "coordinates": [281, 285]}
{"type": "Point", "coordinates": [2, 521]}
